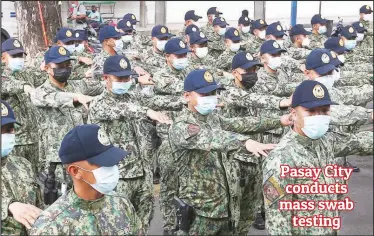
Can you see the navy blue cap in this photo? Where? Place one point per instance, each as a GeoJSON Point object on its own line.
{"type": "Point", "coordinates": [190, 15]}
{"type": "Point", "coordinates": [65, 35]}
{"type": "Point", "coordinates": [244, 20]}
{"type": "Point", "coordinates": [131, 17]}
{"type": "Point", "coordinates": [198, 38]}
{"type": "Point", "coordinates": [89, 143]}
{"type": "Point", "coordinates": [200, 81]}
{"type": "Point", "coordinates": [271, 47]}
{"type": "Point", "coordinates": [359, 27]}
{"type": "Point", "coordinates": [12, 46]}
{"type": "Point", "coordinates": [220, 21]}
{"type": "Point", "coordinates": [366, 9]}
{"type": "Point", "coordinates": [108, 32]}
{"type": "Point", "coordinates": [317, 19]}
{"type": "Point", "coordinates": [299, 30]}
{"type": "Point", "coordinates": [348, 32]}
{"type": "Point", "coordinates": [80, 35]}
{"type": "Point", "coordinates": [213, 11]}
{"type": "Point", "coordinates": [311, 94]}
{"type": "Point", "coordinates": [244, 60]}
{"type": "Point", "coordinates": [319, 60]}
{"type": "Point", "coordinates": [258, 24]}
{"type": "Point", "coordinates": [191, 29]}
{"type": "Point", "coordinates": [125, 25]}
{"type": "Point", "coordinates": [335, 44]}
{"type": "Point", "coordinates": [161, 31]}
{"type": "Point", "coordinates": [334, 60]}
{"type": "Point", "coordinates": [176, 46]}
{"type": "Point", "coordinates": [275, 29]}
{"type": "Point", "coordinates": [57, 54]}
{"type": "Point", "coordinates": [7, 114]}
{"type": "Point", "coordinates": [118, 66]}
{"type": "Point", "coordinates": [232, 34]}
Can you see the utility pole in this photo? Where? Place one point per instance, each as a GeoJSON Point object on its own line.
{"type": "Point", "coordinates": [259, 9]}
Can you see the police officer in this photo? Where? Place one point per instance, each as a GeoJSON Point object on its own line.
{"type": "Point", "coordinates": [20, 194]}
{"type": "Point", "coordinates": [190, 18]}
{"type": "Point", "coordinates": [275, 32]}
{"type": "Point", "coordinates": [189, 30]}
{"type": "Point", "coordinates": [258, 29]}
{"type": "Point", "coordinates": [244, 27]}
{"type": "Point", "coordinates": [366, 18]}
{"type": "Point", "coordinates": [363, 39]}
{"type": "Point", "coordinates": [319, 29]}
{"type": "Point", "coordinates": [141, 41]}
{"type": "Point", "coordinates": [311, 117]}
{"type": "Point", "coordinates": [299, 49]}
{"type": "Point", "coordinates": [217, 45]}
{"type": "Point", "coordinates": [212, 13]}
{"type": "Point", "coordinates": [232, 42]}
{"type": "Point", "coordinates": [127, 28]}
{"type": "Point", "coordinates": [92, 162]}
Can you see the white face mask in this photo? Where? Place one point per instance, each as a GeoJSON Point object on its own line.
{"type": "Point", "coordinates": [126, 38]}
{"type": "Point", "coordinates": [180, 63]}
{"type": "Point", "coordinates": [275, 62]}
{"type": "Point", "coordinates": [222, 31]}
{"type": "Point", "coordinates": [336, 74]}
{"type": "Point", "coordinates": [134, 26]}
{"type": "Point", "coordinates": [245, 29]}
{"type": "Point", "coordinates": [119, 46]}
{"type": "Point", "coordinates": [206, 105]}
{"type": "Point", "coordinates": [234, 47]}
{"type": "Point", "coordinates": [368, 17]}
{"type": "Point", "coordinates": [280, 42]}
{"type": "Point", "coordinates": [262, 34]}
{"type": "Point", "coordinates": [106, 178]}
{"type": "Point", "coordinates": [7, 143]}
{"type": "Point", "coordinates": [16, 63]}
{"type": "Point", "coordinates": [322, 29]}
{"type": "Point", "coordinates": [70, 48]}
{"type": "Point", "coordinates": [341, 58]}
{"type": "Point", "coordinates": [201, 52]}
{"type": "Point", "coordinates": [360, 37]}
{"type": "Point", "coordinates": [80, 48]}
{"type": "Point", "coordinates": [306, 42]}
{"type": "Point", "coordinates": [161, 44]}
{"type": "Point", "coordinates": [327, 80]}
{"type": "Point", "coordinates": [316, 126]}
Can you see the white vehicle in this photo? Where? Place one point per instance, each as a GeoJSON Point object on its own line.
{"type": "Point", "coordinates": [8, 20]}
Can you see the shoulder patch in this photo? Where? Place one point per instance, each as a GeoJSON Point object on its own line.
{"type": "Point", "coordinates": [193, 130]}
{"type": "Point", "coordinates": [272, 190]}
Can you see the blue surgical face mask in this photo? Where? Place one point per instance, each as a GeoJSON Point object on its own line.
{"type": "Point", "coordinates": [120, 88]}
{"type": "Point", "coordinates": [322, 29]}
{"type": "Point", "coordinates": [222, 31]}
{"type": "Point", "coordinates": [70, 48]}
{"type": "Point", "coordinates": [206, 105]}
{"type": "Point", "coordinates": [16, 64]}
{"type": "Point", "coordinates": [350, 44]}
{"type": "Point", "coordinates": [106, 178]}
{"type": "Point", "coordinates": [316, 126]}
{"type": "Point", "coordinates": [180, 63]}
{"type": "Point", "coordinates": [7, 143]}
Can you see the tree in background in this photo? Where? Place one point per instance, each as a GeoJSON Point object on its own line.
{"type": "Point", "coordinates": [30, 29]}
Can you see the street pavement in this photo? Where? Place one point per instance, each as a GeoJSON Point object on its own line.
{"type": "Point", "coordinates": [359, 221]}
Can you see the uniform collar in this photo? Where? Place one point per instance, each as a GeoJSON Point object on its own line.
{"type": "Point", "coordinates": [89, 205]}
{"type": "Point", "coordinates": [304, 141]}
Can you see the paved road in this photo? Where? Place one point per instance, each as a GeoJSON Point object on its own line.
{"type": "Point", "coordinates": [356, 222]}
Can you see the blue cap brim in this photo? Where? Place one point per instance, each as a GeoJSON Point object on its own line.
{"type": "Point", "coordinates": [235, 38]}
{"type": "Point", "coordinates": [5, 121]}
{"type": "Point", "coordinates": [160, 36]}
{"type": "Point", "coordinates": [322, 21]}
{"type": "Point", "coordinates": [122, 73]}
{"type": "Point", "coordinates": [67, 40]}
{"type": "Point", "coordinates": [209, 88]}
{"type": "Point", "coordinates": [275, 51]}
{"type": "Point", "coordinates": [110, 157]}
{"type": "Point", "coordinates": [340, 49]}
{"type": "Point", "coordinates": [61, 59]}
{"type": "Point", "coordinates": [201, 41]}
{"type": "Point", "coordinates": [183, 51]}
{"type": "Point", "coordinates": [250, 64]}
{"type": "Point", "coordinates": [336, 62]}
{"type": "Point", "coordinates": [324, 69]}
{"type": "Point", "coordinates": [278, 34]}
{"type": "Point", "coordinates": [15, 51]}
{"type": "Point", "coordinates": [319, 103]}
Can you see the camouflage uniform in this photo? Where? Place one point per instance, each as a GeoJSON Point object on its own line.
{"type": "Point", "coordinates": [12, 91]}
{"type": "Point", "coordinates": [317, 41]}
{"type": "Point", "coordinates": [298, 151]}
{"type": "Point", "coordinates": [298, 53]}
{"type": "Point", "coordinates": [18, 184]}
{"type": "Point", "coordinates": [254, 46]}
{"type": "Point", "coordinates": [369, 26]}
{"type": "Point", "coordinates": [208, 29]}
{"type": "Point", "coordinates": [79, 69]}
{"type": "Point", "coordinates": [98, 64]}
{"type": "Point", "coordinates": [208, 179]}
{"type": "Point", "coordinates": [142, 41]}
{"type": "Point", "coordinates": [246, 38]}
{"type": "Point", "coordinates": [169, 81]}
{"type": "Point", "coordinates": [217, 45]}
{"type": "Point", "coordinates": [152, 61]}
{"type": "Point", "coordinates": [71, 215]}
{"type": "Point", "coordinates": [352, 95]}
{"type": "Point", "coordinates": [353, 78]}
{"type": "Point", "coordinates": [224, 60]}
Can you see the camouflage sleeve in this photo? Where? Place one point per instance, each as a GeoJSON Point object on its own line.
{"type": "Point", "coordinates": [345, 144]}
{"type": "Point", "coordinates": [44, 98]}
{"type": "Point", "coordinates": [225, 80]}
{"type": "Point", "coordinates": [166, 84]}
{"type": "Point", "coordinates": [90, 87]}
{"type": "Point", "coordinates": [224, 61]}
{"type": "Point", "coordinates": [298, 53]}
{"type": "Point", "coordinates": [239, 98]}
{"type": "Point", "coordinates": [12, 86]}
{"type": "Point", "coordinates": [78, 71]}
{"type": "Point", "coordinates": [353, 78]}
{"type": "Point", "coordinates": [278, 222]}
{"type": "Point", "coordinates": [5, 202]}
{"type": "Point", "coordinates": [97, 68]}
{"type": "Point", "coordinates": [249, 124]}
{"type": "Point", "coordinates": [285, 89]}
{"type": "Point", "coordinates": [46, 226]}
{"type": "Point", "coordinates": [193, 136]}
{"type": "Point", "coordinates": [163, 102]}
{"type": "Point", "coordinates": [33, 76]}
{"type": "Point", "coordinates": [349, 115]}
{"type": "Point", "coordinates": [290, 63]}
{"type": "Point", "coordinates": [353, 95]}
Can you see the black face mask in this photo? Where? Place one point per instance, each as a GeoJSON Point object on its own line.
{"type": "Point", "coordinates": [61, 74]}
{"type": "Point", "coordinates": [249, 79]}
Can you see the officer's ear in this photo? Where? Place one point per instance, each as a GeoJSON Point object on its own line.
{"type": "Point", "coordinates": [187, 96]}
{"type": "Point", "coordinates": [315, 26]}
{"type": "Point", "coordinates": [3, 57]}
{"type": "Point", "coordinates": [73, 171]}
